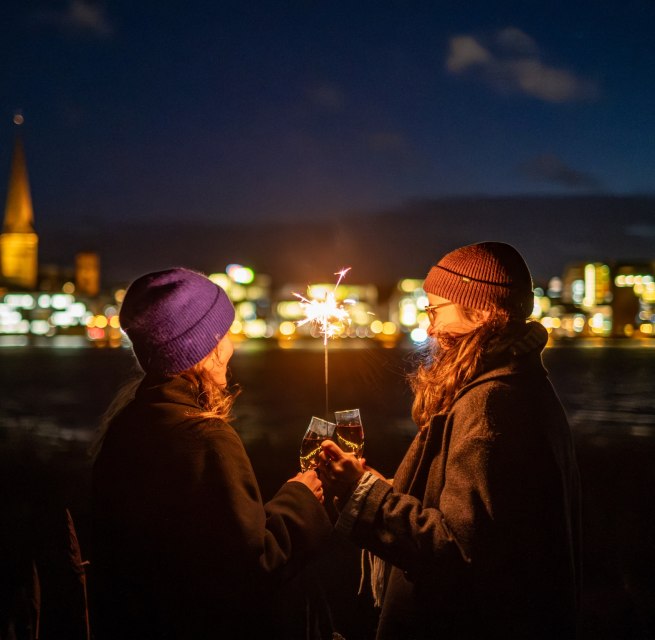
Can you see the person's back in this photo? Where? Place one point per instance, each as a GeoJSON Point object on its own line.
{"type": "Point", "coordinates": [152, 517]}
{"type": "Point", "coordinates": [525, 565]}
{"type": "Point", "coordinates": [183, 545]}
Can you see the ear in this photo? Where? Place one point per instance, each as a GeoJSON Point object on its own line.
{"type": "Point", "coordinates": [220, 348]}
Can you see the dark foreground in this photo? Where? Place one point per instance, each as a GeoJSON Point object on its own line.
{"type": "Point", "coordinates": [50, 401]}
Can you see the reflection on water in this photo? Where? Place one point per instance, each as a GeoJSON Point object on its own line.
{"type": "Point", "coordinates": [52, 399]}
{"type": "Point", "coordinates": [608, 392]}
{"type": "Point", "coordinates": [59, 394]}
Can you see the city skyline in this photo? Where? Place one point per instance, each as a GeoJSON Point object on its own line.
{"type": "Point", "coordinates": [604, 299]}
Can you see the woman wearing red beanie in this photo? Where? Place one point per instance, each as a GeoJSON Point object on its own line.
{"type": "Point", "coordinates": [184, 547]}
{"type": "Point", "coordinates": [478, 534]}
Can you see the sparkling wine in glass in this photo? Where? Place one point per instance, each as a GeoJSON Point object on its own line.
{"type": "Point", "coordinates": [350, 431]}
{"type": "Point", "coordinates": [317, 431]}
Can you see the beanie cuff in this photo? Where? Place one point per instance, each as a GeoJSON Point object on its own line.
{"type": "Point", "coordinates": [469, 292]}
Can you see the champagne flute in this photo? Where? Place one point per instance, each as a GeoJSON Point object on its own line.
{"type": "Point", "coordinates": [317, 431]}
{"type": "Point", "coordinates": [350, 431]}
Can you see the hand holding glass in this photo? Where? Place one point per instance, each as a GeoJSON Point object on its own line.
{"type": "Point", "coordinates": [350, 431]}
{"type": "Point", "coordinates": [317, 431]}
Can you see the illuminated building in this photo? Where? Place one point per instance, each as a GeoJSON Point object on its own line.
{"type": "Point", "coordinates": [597, 299]}
{"type": "Point", "coordinates": [87, 274]}
{"type": "Point", "coordinates": [634, 299]}
{"type": "Point", "coordinates": [250, 293]}
{"type": "Point", "coordinates": [42, 314]}
{"type": "Point", "coordinates": [406, 310]}
{"type": "Point", "coordinates": [603, 300]}
{"type": "Point", "coordinates": [584, 307]}
{"type": "Point", "coordinates": [26, 312]}
{"type": "Point", "coordinates": [18, 240]}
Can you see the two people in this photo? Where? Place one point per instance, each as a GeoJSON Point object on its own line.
{"type": "Point", "coordinates": [478, 533]}
{"type": "Point", "coordinates": [184, 547]}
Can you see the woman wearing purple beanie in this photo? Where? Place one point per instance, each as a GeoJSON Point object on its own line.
{"type": "Point", "coordinates": [184, 547]}
{"type": "Point", "coordinates": [478, 534]}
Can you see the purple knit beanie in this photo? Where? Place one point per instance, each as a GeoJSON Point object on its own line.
{"type": "Point", "coordinates": [174, 318]}
{"type": "Point", "coordinates": [482, 276]}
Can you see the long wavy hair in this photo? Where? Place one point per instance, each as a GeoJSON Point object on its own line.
{"type": "Point", "coordinates": [454, 360]}
{"type": "Point", "coordinates": [214, 401]}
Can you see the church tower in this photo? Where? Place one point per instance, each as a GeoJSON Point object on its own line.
{"type": "Point", "coordinates": [18, 240]}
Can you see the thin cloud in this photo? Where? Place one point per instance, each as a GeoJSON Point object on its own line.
{"type": "Point", "coordinates": [551, 169]}
{"type": "Point", "coordinates": [511, 61]}
{"type": "Point", "coordinates": [513, 39]}
{"type": "Point", "coordinates": [79, 16]}
{"type": "Point", "coordinates": [466, 52]}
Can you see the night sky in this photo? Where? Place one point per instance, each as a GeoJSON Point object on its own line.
{"type": "Point", "coordinates": [206, 112]}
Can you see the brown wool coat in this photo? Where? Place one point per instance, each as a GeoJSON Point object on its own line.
{"type": "Point", "coordinates": [184, 547]}
{"type": "Point", "coordinates": [482, 525]}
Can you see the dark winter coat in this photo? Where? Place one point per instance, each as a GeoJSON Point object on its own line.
{"type": "Point", "coordinates": [184, 546]}
{"type": "Point", "coordinates": [482, 523]}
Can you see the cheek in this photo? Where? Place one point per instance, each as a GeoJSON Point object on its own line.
{"type": "Point", "coordinates": [448, 321]}
{"type": "Point", "coordinates": [456, 324]}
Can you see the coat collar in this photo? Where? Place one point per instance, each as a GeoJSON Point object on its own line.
{"type": "Point", "coordinates": [522, 356]}
{"type": "Point", "coordinates": [167, 390]}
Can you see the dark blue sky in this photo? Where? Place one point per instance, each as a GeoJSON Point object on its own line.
{"type": "Point", "coordinates": [211, 110]}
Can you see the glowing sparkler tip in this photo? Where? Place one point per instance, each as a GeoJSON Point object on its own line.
{"type": "Point", "coordinates": [328, 315]}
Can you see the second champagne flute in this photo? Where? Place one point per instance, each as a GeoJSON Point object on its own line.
{"type": "Point", "coordinates": [350, 431]}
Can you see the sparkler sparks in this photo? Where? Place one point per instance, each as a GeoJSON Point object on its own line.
{"type": "Point", "coordinates": [328, 315]}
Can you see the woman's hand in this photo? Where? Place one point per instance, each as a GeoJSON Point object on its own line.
{"type": "Point", "coordinates": [339, 470]}
{"type": "Point", "coordinates": [311, 480]}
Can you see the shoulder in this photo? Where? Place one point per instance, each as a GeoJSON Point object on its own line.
{"type": "Point", "coordinates": [486, 408]}
{"type": "Point", "coordinates": [487, 393]}
{"type": "Point", "coordinates": [210, 443]}
{"type": "Point", "coordinates": [197, 437]}
{"type": "Point", "coordinates": [212, 430]}
{"type": "Point", "coordinates": [505, 385]}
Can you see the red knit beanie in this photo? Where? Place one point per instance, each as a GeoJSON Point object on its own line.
{"type": "Point", "coordinates": [482, 276]}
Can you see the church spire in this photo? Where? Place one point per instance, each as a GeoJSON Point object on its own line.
{"type": "Point", "coordinates": [18, 241]}
{"type": "Point", "coordinates": [19, 217]}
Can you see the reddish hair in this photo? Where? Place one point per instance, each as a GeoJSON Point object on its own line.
{"type": "Point", "coordinates": [453, 360]}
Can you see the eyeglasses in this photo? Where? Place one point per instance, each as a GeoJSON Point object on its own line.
{"type": "Point", "coordinates": [431, 310]}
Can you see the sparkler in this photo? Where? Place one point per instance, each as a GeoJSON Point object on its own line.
{"type": "Point", "coordinates": [328, 316]}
